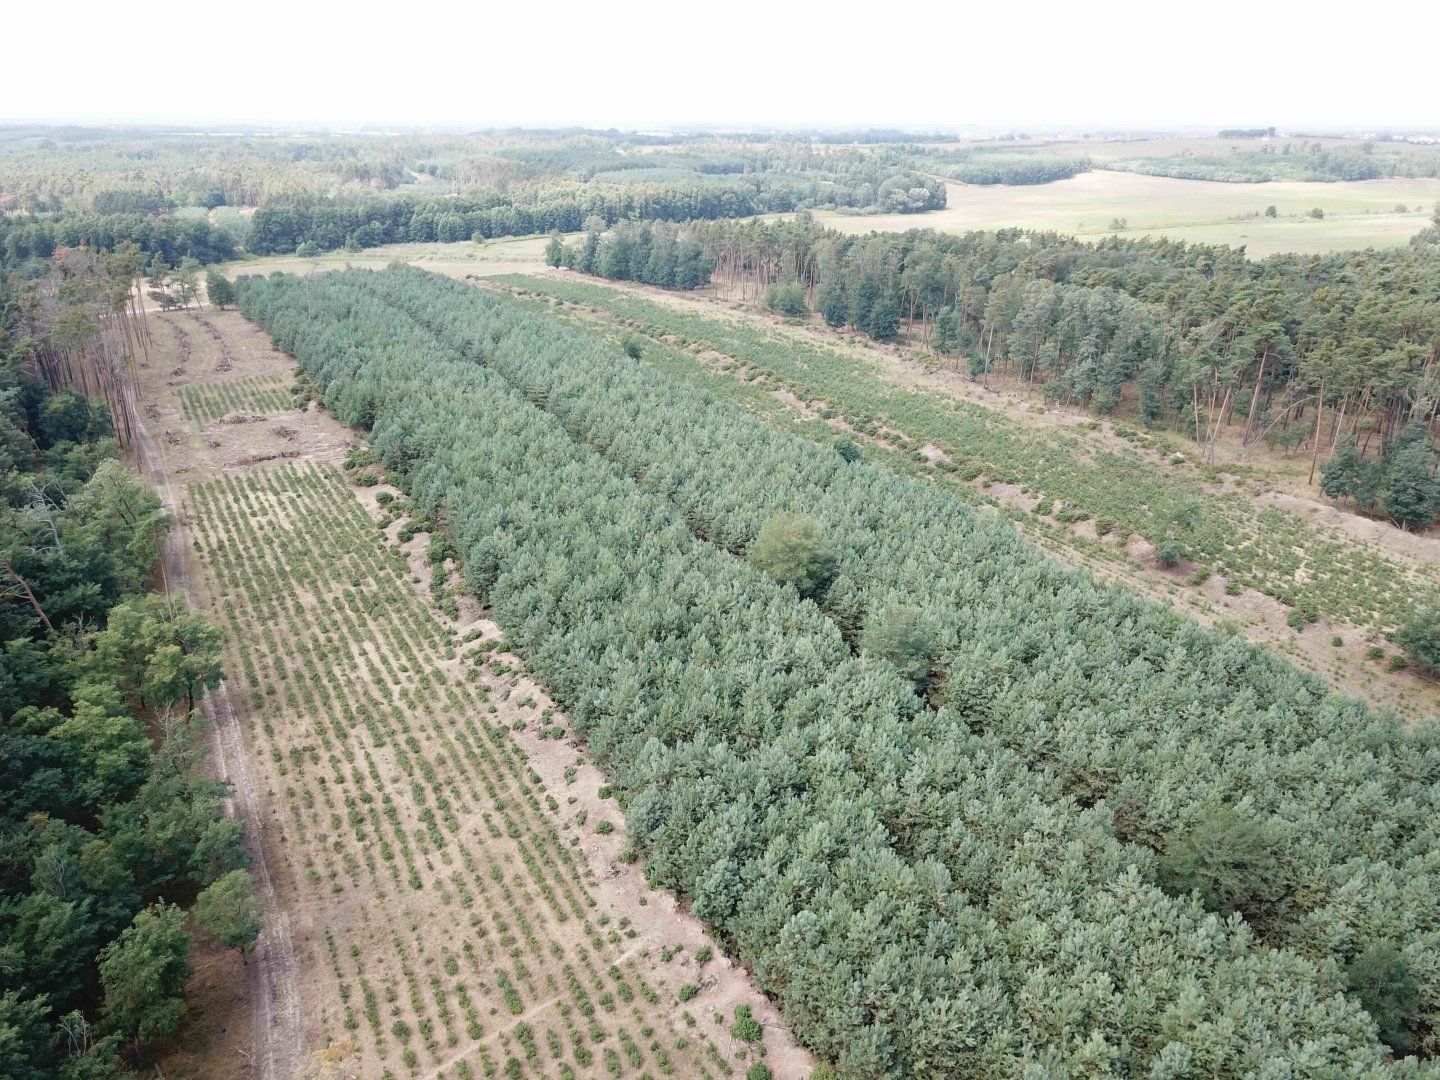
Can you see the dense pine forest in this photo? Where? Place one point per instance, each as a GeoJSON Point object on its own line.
{"type": "Point", "coordinates": [109, 831]}
{"type": "Point", "coordinates": [1316, 354]}
{"type": "Point", "coordinates": [963, 812]}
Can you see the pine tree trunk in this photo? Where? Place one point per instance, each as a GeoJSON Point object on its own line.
{"type": "Point", "coordinates": [1315, 450]}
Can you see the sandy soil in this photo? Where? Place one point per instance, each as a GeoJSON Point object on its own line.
{"type": "Point", "coordinates": [275, 1027]}
{"type": "Point", "coordinates": [620, 887]}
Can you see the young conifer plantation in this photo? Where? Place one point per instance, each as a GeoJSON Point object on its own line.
{"type": "Point", "coordinates": [627, 541]}
{"type": "Point", "coordinates": [963, 812]}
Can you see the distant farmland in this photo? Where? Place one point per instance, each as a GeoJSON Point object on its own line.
{"type": "Point", "coordinates": [1357, 214]}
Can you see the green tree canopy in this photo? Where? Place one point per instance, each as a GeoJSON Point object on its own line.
{"type": "Point", "coordinates": [1233, 862]}
{"type": "Point", "coordinates": [1381, 979]}
{"type": "Point", "coordinates": [228, 912]}
{"type": "Point", "coordinates": [144, 972]}
{"type": "Point", "coordinates": [219, 289]}
{"type": "Point", "coordinates": [1420, 638]}
{"type": "Point", "coordinates": [160, 652]}
{"type": "Point", "coordinates": [903, 636]}
{"type": "Point", "coordinates": [1409, 492]}
{"type": "Point", "coordinates": [792, 550]}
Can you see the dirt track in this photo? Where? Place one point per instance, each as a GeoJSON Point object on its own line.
{"type": "Point", "coordinates": [278, 1030]}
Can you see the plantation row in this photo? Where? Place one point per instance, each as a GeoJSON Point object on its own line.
{"type": "Point", "coordinates": [1273, 551]}
{"type": "Point", "coordinates": [460, 937]}
{"type": "Point", "coordinates": [920, 898]}
{"type": "Point", "coordinates": [1332, 353]}
{"type": "Point", "coordinates": [220, 398]}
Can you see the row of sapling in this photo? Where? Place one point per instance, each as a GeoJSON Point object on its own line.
{"type": "Point", "coordinates": [338, 621]}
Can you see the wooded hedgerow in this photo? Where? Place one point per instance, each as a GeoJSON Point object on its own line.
{"type": "Point", "coordinates": [960, 884]}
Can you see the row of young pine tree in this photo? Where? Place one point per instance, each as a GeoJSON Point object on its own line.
{"type": "Point", "coordinates": [963, 812]}
{"type": "Point", "coordinates": [1302, 352]}
{"type": "Point", "coordinates": [114, 849]}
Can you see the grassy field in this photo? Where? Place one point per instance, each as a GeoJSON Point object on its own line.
{"type": "Point", "coordinates": [446, 855]}
{"type": "Point", "coordinates": [500, 256]}
{"type": "Point", "coordinates": [1359, 214]}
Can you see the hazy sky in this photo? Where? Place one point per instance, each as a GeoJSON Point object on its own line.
{"type": "Point", "coordinates": [633, 64]}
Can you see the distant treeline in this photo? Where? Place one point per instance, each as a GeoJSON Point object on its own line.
{"type": "Point", "coordinates": [989, 167]}
{"type": "Point", "coordinates": [1293, 162]}
{"type": "Point", "coordinates": [26, 239]}
{"type": "Point", "coordinates": [101, 189]}
{"type": "Point", "coordinates": [49, 170]}
{"type": "Point", "coordinates": [1247, 133]}
{"type": "Point", "coordinates": [314, 224]}
{"type": "Point", "coordinates": [330, 224]}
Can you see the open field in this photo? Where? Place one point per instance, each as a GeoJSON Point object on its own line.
{"type": "Point", "coordinates": [443, 851]}
{"type": "Point", "coordinates": [499, 256]}
{"type": "Point", "coordinates": [1357, 214]}
{"type": "Point", "coordinates": [1091, 492]}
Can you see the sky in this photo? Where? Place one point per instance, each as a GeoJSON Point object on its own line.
{"type": "Point", "coordinates": [943, 66]}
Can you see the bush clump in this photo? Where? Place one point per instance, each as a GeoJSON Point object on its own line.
{"type": "Point", "coordinates": [1420, 638]}
{"type": "Point", "coordinates": [787, 300]}
{"type": "Point", "coordinates": [904, 637]}
{"type": "Point", "coordinates": [1234, 863]}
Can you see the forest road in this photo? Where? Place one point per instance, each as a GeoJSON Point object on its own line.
{"type": "Point", "coordinates": [273, 971]}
